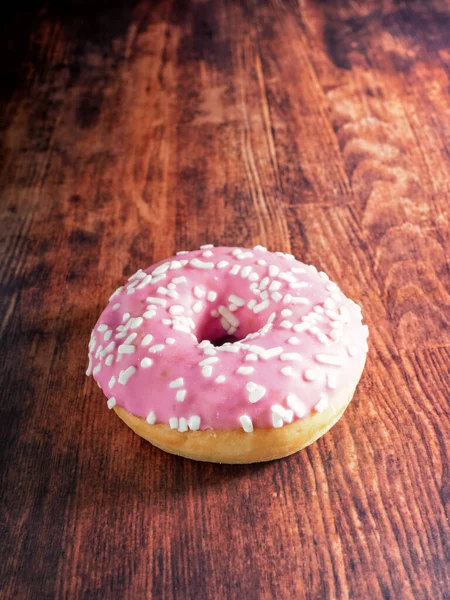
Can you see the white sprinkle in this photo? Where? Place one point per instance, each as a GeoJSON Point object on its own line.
{"type": "Point", "coordinates": [261, 306]}
{"type": "Point", "coordinates": [299, 327]}
{"type": "Point", "coordinates": [251, 357]}
{"type": "Point", "coordinates": [246, 423]}
{"type": "Point", "coordinates": [182, 425]}
{"type": "Point", "coordinates": [228, 315]}
{"type": "Point", "coordinates": [182, 252]}
{"type": "Point", "coordinates": [285, 414]}
{"type": "Point", "coordinates": [277, 421]}
{"type": "Point", "coordinates": [125, 375]}
{"type": "Point", "coordinates": [245, 370]}
{"type": "Point", "coordinates": [273, 270]}
{"type": "Point", "coordinates": [180, 395]}
{"type": "Point", "coordinates": [194, 423]}
{"type": "Point", "coordinates": [276, 296]}
{"type": "Point", "coordinates": [330, 359]}
{"type": "Point", "coordinates": [109, 360]}
{"type": "Point", "coordinates": [264, 295]}
{"type": "Point", "coordinates": [170, 340]}
{"type": "Point", "coordinates": [157, 278]}
{"type": "Point", "coordinates": [271, 352]}
{"type": "Point", "coordinates": [323, 339]}
{"type": "Point", "coordinates": [200, 264]}
{"type": "Point", "coordinates": [173, 422]}
{"type": "Point", "coordinates": [229, 348]}
{"type": "Point", "coordinates": [254, 287]}
{"type": "Point", "coordinates": [253, 276]}
{"type": "Point", "coordinates": [291, 356]}
{"type": "Point", "coordinates": [204, 344]}
{"type": "Point", "coordinates": [274, 286]}
{"type": "Point", "coordinates": [296, 405]}
{"type": "Point", "coordinates": [255, 392]}
{"type": "Point", "coordinates": [161, 269]}
{"type": "Point", "coordinates": [332, 381]}
{"type": "Point", "coordinates": [166, 321]}
{"type": "Point", "coordinates": [220, 379]}
{"type": "Point", "coordinates": [298, 270]}
{"type": "Point", "coordinates": [286, 324]}
{"type": "Point", "coordinates": [246, 271]}
{"type": "Point", "coordinates": [197, 306]}
{"type": "Point", "coordinates": [116, 293]}
{"type": "Point", "coordinates": [261, 262]}
{"type": "Point", "coordinates": [97, 369]}
{"type": "Point", "coordinates": [252, 303]}
{"type": "Point", "coordinates": [207, 371]}
{"type": "Point", "coordinates": [175, 264]}
{"type": "Point", "coordinates": [147, 279]}
{"type": "Point", "coordinates": [207, 253]}
{"type": "Point", "coordinates": [286, 312]}
{"type": "Point", "coordinates": [288, 256]}
{"type": "Point", "coordinates": [149, 314]}
{"type": "Point", "coordinates": [310, 375]}
{"type": "Point", "coordinates": [137, 322]}
{"type": "Point", "coordinates": [164, 291]}
{"type": "Point", "coordinates": [98, 351]}
{"type": "Point", "coordinates": [264, 283]}
{"type": "Point", "coordinates": [206, 246]}
{"type": "Point", "coordinates": [156, 348]}
{"type": "Point", "coordinates": [272, 317]}
{"type": "Point", "coordinates": [126, 349]}
{"type": "Point", "coordinates": [111, 403]}
{"type": "Point", "coordinates": [296, 285]}
{"type": "Point", "coordinates": [222, 264]}
{"type": "Point", "coordinates": [176, 309]}
{"type": "Point", "coordinates": [125, 317]}
{"type": "Point", "coordinates": [293, 340]}
{"type": "Point", "coordinates": [288, 372]}
{"type": "Point", "coordinates": [214, 313]}
{"type": "Point", "coordinates": [112, 382]}
{"type": "Point", "coordinates": [235, 269]}
{"type": "Point", "coordinates": [209, 350]}
{"type": "Point", "coordinates": [236, 300]}
{"type": "Point", "coordinates": [299, 300]}
{"type": "Point", "coordinates": [138, 275]}
{"type": "Point", "coordinates": [211, 296]}
{"type": "Point", "coordinates": [102, 327]}
{"type": "Point", "coordinates": [322, 404]}
{"type": "Point", "coordinates": [199, 292]}
{"type": "Point", "coordinates": [319, 310]}
{"type": "Point", "coordinates": [107, 335]}
{"type": "Point", "coordinates": [151, 417]}
{"type": "Point", "coordinates": [152, 300]}
{"type": "Point", "coordinates": [287, 277]}
{"type": "Point", "coordinates": [244, 255]}
{"type": "Point", "coordinates": [287, 299]}
{"type": "Point", "coordinates": [116, 306]}
{"type": "Point", "coordinates": [176, 383]}
{"type": "Point", "coordinates": [323, 275]}
{"type": "Point", "coordinates": [146, 362]}
{"type": "Point", "coordinates": [147, 339]}
{"type": "Point", "coordinates": [208, 361]}
{"type": "Point", "coordinates": [178, 280]}
{"type": "Point", "coordinates": [261, 248]}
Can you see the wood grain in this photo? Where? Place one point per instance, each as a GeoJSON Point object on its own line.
{"type": "Point", "coordinates": [133, 129]}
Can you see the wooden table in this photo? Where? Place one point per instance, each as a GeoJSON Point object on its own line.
{"type": "Point", "coordinates": [132, 130]}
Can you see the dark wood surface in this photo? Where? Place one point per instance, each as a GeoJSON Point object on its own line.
{"type": "Point", "coordinates": [131, 130]}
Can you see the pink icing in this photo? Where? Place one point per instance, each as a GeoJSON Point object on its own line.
{"type": "Point", "coordinates": [299, 338]}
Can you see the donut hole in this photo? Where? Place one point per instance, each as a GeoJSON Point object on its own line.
{"type": "Point", "coordinates": [213, 331]}
{"type": "Point", "coordinates": [226, 339]}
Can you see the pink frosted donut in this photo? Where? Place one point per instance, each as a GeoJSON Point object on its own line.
{"type": "Point", "coordinates": [296, 351]}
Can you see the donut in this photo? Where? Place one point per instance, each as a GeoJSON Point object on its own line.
{"type": "Point", "coordinates": [228, 354]}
